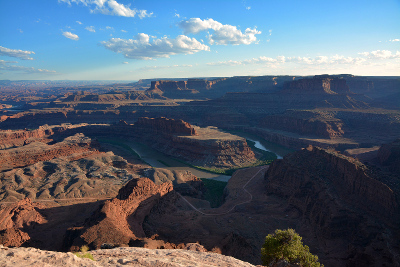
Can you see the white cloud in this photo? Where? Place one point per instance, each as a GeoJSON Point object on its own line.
{"type": "Point", "coordinates": [319, 60]}
{"type": "Point", "coordinates": [125, 62]}
{"type": "Point", "coordinates": [110, 7]}
{"type": "Point", "coordinates": [152, 68]}
{"type": "Point", "coordinates": [90, 28]}
{"type": "Point", "coordinates": [394, 40]}
{"type": "Point", "coordinates": [71, 36]}
{"type": "Point", "coordinates": [21, 31]}
{"type": "Point", "coordinates": [80, 23]}
{"type": "Point", "coordinates": [141, 48]}
{"type": "Point", "coordinates": [381, 54]}
{"type": "Point", "coordinates": [248, 8]}
{"type": "Point", "coordinates": [123, 31]}
{"type": "Point", "coordinates": [222, 35]}
{"type": "Point", "coordinates": [109, 28]}
{"type": "Point", "coordinates": [259, 60]}
{"type": "Point", "coordinates": [16, 53]}
{"type": "Point", "coordinates": [177, 15]}
{"type": "Point", "coordinates": [4, 65]}
{"type": "Point", "coordinates": [5, 62]}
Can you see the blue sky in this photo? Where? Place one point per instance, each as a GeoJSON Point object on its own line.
{"type": "Point", "coordinates": [130, 40]}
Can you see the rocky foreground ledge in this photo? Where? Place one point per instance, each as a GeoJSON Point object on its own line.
{"type": "Point", "coordinates": [128, 256]}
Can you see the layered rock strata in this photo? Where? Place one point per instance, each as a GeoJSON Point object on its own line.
{"type": "Point", "coordinates": [317, 85]}
{"type": "Point", "coordinates": [164, 126]}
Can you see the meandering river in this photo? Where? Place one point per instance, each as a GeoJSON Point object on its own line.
{"type": "Point", "coordinates": [159, 160]}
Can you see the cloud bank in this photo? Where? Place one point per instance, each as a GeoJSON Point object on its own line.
{"type": "Point", "coordinates": [16, 53]}
{"type": "Point", "coordinates": [5, 65]}
{"type": "Point", "coordinates": [381, 54]}
{"type": "Point", "coordinates": [110, 7]}
{"type": "Point", "coordinates": [222, 35]}
{"type": "Point", "coordinates": [142, 48]}
{"type": "Point", "coordinates": [319, 60]}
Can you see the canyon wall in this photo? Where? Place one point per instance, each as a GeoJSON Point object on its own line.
{"type": "Point", "coordinates": [338, 199]}
{"type": "Point", "coordinates": [164, 126]}
{"type": "Point", "coordinates": [317, 85]}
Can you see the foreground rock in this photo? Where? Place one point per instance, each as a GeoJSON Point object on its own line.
{"type": "Point", "coordinates": [117, 257]}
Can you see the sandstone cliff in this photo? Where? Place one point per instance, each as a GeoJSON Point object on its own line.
{"type": "Point", "coordinates": [164, 126]}
{"type": "Point", "coordinates": [317, 85]}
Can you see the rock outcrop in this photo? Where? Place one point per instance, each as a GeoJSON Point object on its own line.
{"type": "Point", "coordinates": [17, 219]}
{"type": "Point", "coordinates": [184, 182]}
{"type": "Point", "coordinates": [340, 201]}
{"type": "Point", "coordinates": [119, 220]}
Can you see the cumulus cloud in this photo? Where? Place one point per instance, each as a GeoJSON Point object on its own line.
{"type": "Point", "coordinates": [142, 48]}
{"type": "Point", "coordinates": [4, 65]}
{"type": "Point", "coordinates": [80, 23]}
{"type": "Point", "coordinates": [110, 7]}
{"type": "Point", "coordinates": [71, 36]}
{"type": "Point", "coordinates": [222, 35]}
{"type": "Point", "coordinates": [123, 31]}
{"type": "Point", "coordinates": [90, 28]}
{"type": "Point", "coordinates": [381, 54]}
{"type": "Point", "coordinates": [394, 40]}
{"type": "Point", "coordinates": [16, 53]}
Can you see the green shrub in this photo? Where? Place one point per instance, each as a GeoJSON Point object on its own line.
{"type": "Point", "coordinates": [287, 245]}
{"type": "Point", "coordinates": [84, 253]}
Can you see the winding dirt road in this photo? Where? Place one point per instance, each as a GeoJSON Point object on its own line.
{"type": "Point", "coordinates": [231, 209]}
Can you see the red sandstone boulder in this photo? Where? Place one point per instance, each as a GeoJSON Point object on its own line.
{"type": "Point", "coordinates": [18, 218]}
{"type": "Point", "coordinates": [120, 220]}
